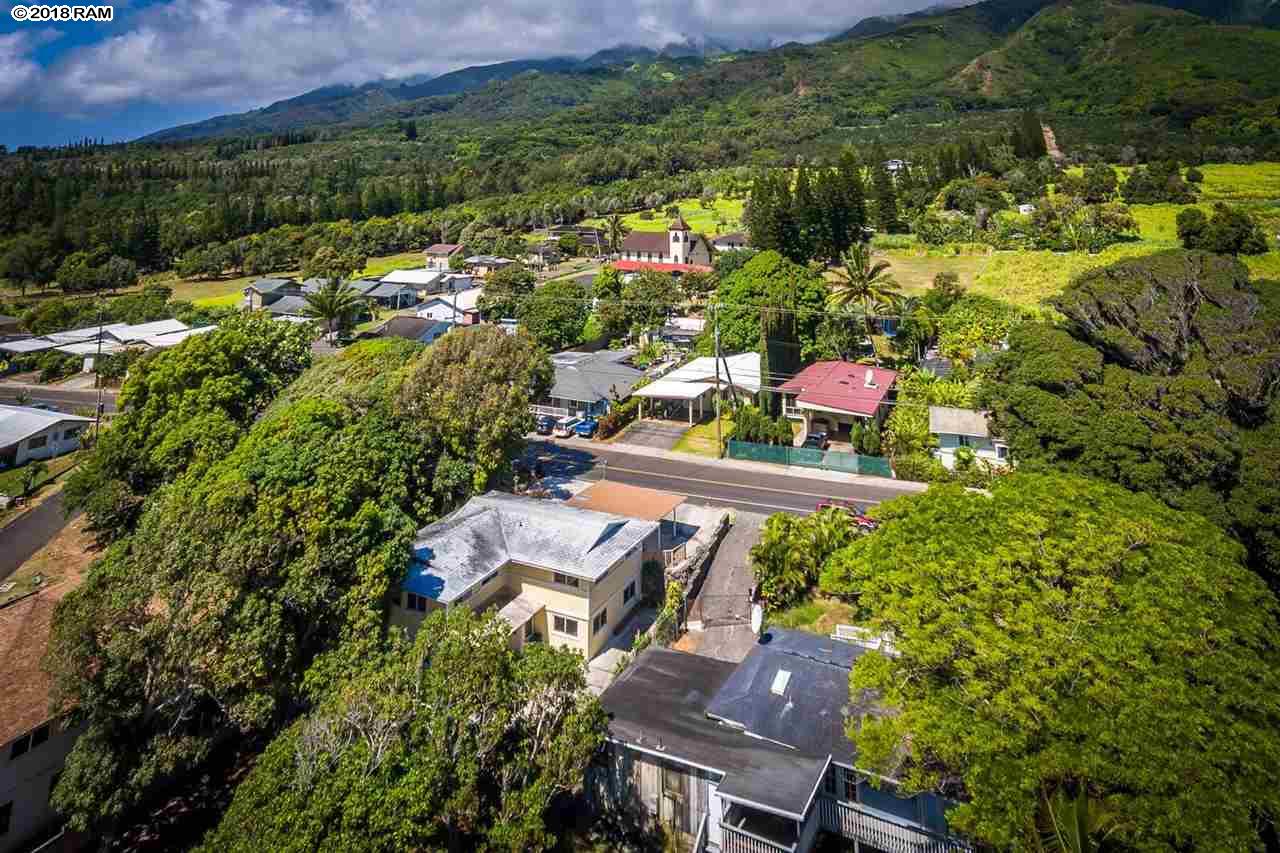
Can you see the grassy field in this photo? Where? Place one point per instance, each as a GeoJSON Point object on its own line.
{"type": "Point", "coordinates": [1027, 278]}
{"type": "Point", "coordinates": [699, 219]}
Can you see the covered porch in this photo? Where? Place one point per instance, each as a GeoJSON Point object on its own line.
{"type": "Point", "coordinates": [671, 400]}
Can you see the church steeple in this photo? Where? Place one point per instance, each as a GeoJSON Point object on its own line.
{"type": "Point", "coordinates": [678, 237]}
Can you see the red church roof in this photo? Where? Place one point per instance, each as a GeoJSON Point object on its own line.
{"type": "Point", "coordinates": [637, 266]}
{"type": "Point", "coordinates": [842, 386]}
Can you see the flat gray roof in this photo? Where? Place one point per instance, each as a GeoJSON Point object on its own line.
{"type": "Point", "coordinates": [460, 551]}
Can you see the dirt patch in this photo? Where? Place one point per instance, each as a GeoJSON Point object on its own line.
{"type": "Point", "coordinates": [64, 560]}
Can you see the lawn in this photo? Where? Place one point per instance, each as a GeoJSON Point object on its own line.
{"type": "Point", "coordinates": [11, 480]}
{"type": "Point", "coordinates": [701, 439]}
{"type": "Point", "coordinates": [817, 614]}
{"type": "Point", "coordinates": [699, 219]}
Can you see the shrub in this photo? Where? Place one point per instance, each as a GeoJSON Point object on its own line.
{"type": "Point", "coordinates": [619, 416]}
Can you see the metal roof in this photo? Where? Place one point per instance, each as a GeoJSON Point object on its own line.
{"type": "Point", "coordinates": [417, 278]}
{"type": "Point", "coordinates": [294, 306]}
{"type": "Point", "coordinates": [841, 386]}
{"type": "Point", "coordinates": [19, 422]}
{"type": "Point", "coordinates": [461, 550]}
{"type": "Point", "coordinates": [174, 338]}
{"type": "Point", "coordinates": [271, 285]}
{"type": "Point", "coordinates": [28, 345]}
{"type": "Point", "coordinates": [658, 705]}
{"type": "Point", "coordinates": [808, 713]}
{"type": "Point", "coordinates": [952, 421]}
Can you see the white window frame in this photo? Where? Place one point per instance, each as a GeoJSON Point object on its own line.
{"type": "Point", "coordinates": [557, 620]}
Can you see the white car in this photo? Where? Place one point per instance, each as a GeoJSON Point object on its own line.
{"type": "Point", "coordinates": [564, 427]}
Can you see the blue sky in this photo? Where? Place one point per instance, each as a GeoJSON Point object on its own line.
{"type": "Point", "coordinates": [165, 62]}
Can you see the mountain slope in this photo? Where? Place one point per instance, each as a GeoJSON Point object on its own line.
{"type": "Point", "coordinates": [1116, 57]}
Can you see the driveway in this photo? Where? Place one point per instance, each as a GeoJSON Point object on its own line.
{"type": "Point", "coordinates": [663, 435]}
{"type": "Point", "coordinates": [29, 532]}
{"type": "Point", "coordinates": [724, 603]}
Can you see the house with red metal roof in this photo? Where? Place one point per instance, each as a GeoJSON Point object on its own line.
{"type": "Point", "coordinates": [676, 250]}
{"type": "Point", "coordinates": [833, 395]}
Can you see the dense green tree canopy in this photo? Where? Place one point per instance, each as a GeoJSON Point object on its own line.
{"type": "Point", "coordinates": [451, 742]}
{"type": "Point", "coordinates": [1064, 631]}
{"type": "Point", "coordinates": [1163, 379]}
{"type": "Point", "coordinates": [257, 579]}
{"type": "Point", "coordinates": [182, 407]}
{"type": "Point", "coordinates": [505, 290]}
{"type": "Point", "coordinates": [768, 280]}
{"type": "Point", "coordinates": [555, 314]}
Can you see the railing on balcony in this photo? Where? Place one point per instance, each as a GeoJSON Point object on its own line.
{"type": "Point", "coordinates": [884, 832]}
{"type": "Point", "coordinates": [554, 411]}
{"type": "Point", "coordinates": [672, 556]}
{"type": "Point", "coordinates": [740, 841]}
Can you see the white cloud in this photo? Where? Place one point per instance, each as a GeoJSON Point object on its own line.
{"type": "Point", "coordinates": [245, 54]}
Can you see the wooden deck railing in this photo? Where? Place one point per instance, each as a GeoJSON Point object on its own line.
{"type": "Point", "coordinates": [740, 841]}
{"type": "Point", "coordinates": [700, 842]}
{"type": "Point", "coordinates": [882, 832]}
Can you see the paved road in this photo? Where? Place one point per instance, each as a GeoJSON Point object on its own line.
{"type": "Point", "coordinates": [60, 398]}
{"type": "Point", "coordinates": [709, 482]}
{"type": "Point", "coordinates": [29, 533]}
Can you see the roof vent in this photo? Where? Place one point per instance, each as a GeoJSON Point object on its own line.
{"type": "Point", "coordinates": [779, 686]}
{"type": "Point", "coordinates": [870, 380]}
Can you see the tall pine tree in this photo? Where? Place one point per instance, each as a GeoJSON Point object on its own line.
{"type": "Point", "coordinates": [887, 219]}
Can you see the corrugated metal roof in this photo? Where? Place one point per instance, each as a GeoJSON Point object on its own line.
{"type": "Point", "coordinates": [19, 422]}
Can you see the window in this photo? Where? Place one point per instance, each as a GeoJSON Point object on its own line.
{"type": "Point", "coordinates": [6, 816]}
{"type": "Point", "coordinates": [413, 601]}
{"type": "Point", "coordinates": [848, 785]}
{"type": "Point", "coordinates": [565, 625]}
{"type": "Point", "coordinates": [602, 619]}
{"type": "Point", "coordinates": [40, 735]}
{"type": "Point", "coordinates": [71, 433]}
{"type": "Point", "coordinates": [629, 592]}
{"type": "Point", "coordinates": [964, 441]}
{"type": "Point", "coordinates": [530, 635]}
{"type": "Point", "coordinates": [20, 747]}
{"type": "Point", "coordinates": [564, 579]}
{"type": "Point", "coordinates": [829, 781]}
{"type": "Point", "coordinates": [1002, 451]}
{"type": "Point", "coordinates": [37, 442]}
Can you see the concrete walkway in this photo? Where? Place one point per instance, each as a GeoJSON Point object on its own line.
{"type": "Point", "coordinates": [724, 603]}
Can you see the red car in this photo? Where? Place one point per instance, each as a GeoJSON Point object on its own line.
{"type": "Point", "coordinates": [856, 510]}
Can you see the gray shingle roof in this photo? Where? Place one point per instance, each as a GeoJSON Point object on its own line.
{"type": "Point", "coordinates": [291, 305]}
{"type": "Point", "coordinates": [271, 285]}
{"type": "Point", "coordinates": [462, 549]}
{"type": "Point", "coordinates": [952, 421]}
{"type": "Point", "coordinates": [592, 376]}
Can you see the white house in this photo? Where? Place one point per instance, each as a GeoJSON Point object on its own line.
{"type": "Point", "coordinates": [27, 433]}
{"type": "Point", "coordinates": [462, 308]}
{"type": "Point", "coordinates": [957, 428]}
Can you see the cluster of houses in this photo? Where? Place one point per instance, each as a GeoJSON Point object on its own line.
{"type": "Point", "coordinates": [94, 341]}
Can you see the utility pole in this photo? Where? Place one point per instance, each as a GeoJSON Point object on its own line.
{"type": "Point", "coordinates": [97, 377]}
{"type": "Point", "coordinates": [715, 319]}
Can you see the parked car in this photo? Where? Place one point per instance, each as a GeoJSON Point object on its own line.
{"type": "Point", "coordinates": [816, 441]}
{"type": "Point", "coordinates": [544, 425]}
{"type": "Point", "coordinates": [566, 426]}
{"type": "Point", "coordinates": [858, 511]}
{"type": "Point", "coordinates": [587, 428]}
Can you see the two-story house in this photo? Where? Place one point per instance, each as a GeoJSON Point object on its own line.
{"type": "Point", "coordinates": [753, 757]}
{"type": "Point", "coordinates": [557, 573]}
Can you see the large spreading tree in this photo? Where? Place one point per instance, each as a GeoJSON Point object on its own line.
{"type": "Point", "coordinates": [452, 742]}
{"type": "Point", "coordinates": [1062, 635]}
{"type": "Point", "coordinates": [1163, 378]}
{"type": "Point", "coordinates": [256, 581]}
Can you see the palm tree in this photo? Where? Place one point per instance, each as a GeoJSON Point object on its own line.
{"type": "Point", "coordinates": [617, 231]}
{"type": "Point", "coordinates": [333, 302]}
{"type": "Point", "coordinates": [863, 280]}
{"type": "Point", "coordinates": [916, 324]}
{"type": "Point", "coordinates": [1072, 823]}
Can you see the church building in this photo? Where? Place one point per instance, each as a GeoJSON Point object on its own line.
{"type": "Point", "coordinates": [676, 250]}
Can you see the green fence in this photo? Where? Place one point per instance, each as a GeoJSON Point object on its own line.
{"type": "Point", "coordinates": [830, 460]}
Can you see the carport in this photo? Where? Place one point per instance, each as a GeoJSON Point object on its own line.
{"type": "Point", "coordinates": [665, 392]}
